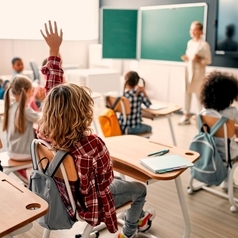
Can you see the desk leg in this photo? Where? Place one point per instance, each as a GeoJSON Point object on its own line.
{"type": "Point", "coordinates": [183, 205]}
{"type": "Point", "coordinates": [171, 129]}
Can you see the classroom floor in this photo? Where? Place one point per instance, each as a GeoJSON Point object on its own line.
{"type": "Point", "coordinates": [209, 215]}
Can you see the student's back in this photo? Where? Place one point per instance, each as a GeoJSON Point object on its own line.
{"type": "Point", "coordinates": [137, 96]}
{"type": "Point", "coordinates": [18, 118]}
{"type": "Point", "coordinates": [218, 93]}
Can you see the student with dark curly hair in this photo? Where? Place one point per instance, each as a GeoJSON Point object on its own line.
{"type": "Point", "coordinates": [218, 93]}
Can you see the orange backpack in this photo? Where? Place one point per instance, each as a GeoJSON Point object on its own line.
{"type": "Point", "coordinates": [108, 120]}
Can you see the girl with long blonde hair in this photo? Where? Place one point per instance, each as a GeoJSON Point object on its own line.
{"type": "Point", "coordinates": [18, 120]}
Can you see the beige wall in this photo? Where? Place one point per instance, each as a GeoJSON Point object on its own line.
{"type": "Point", "coordinates": [72, 52]}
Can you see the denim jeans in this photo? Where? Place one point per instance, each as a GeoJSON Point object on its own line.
{"type": "Point", "coordinates": [125, 191]}
{"type": "Point", "coordinates": [142, 128]}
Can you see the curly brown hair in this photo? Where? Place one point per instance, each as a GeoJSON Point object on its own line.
{"type": "Point", "coordinates": [219, 90]}
{"type": "Point", "coordinates": [67, 114]}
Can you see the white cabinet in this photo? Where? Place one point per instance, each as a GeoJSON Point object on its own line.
{"type": "Point", "coordinates": [98, 80]}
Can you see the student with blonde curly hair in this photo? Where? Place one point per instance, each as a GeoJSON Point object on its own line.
{"type": "Point", "coordinates": [67, 114]}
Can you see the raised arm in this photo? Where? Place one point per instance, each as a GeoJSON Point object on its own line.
{"type": "Point", "coordinates": [53, 71]}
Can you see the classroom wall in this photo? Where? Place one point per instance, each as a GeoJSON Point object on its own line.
{"type": "Point", "coordinates": [218, 60]}
{"type": "Point", "coordinates": [73, 53]}
{"type": "Point", "coordinates": [165, 80]}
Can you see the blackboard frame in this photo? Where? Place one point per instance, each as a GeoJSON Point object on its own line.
{"type": "Point", "coordinates": [165, 7]}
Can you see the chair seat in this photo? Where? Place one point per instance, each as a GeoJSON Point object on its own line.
{"type": "Point", "coordinates": [7, 162]}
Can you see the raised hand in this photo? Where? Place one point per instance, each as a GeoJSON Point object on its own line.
{"type": "Point", "coordinates": [52, 38]}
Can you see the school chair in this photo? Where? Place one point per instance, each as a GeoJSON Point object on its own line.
{"type": "Point", "coordinates": [225, 132]}
{"type": "Point", "coordinates": [10, 165]}
{"type": "Point", "coordinates": [68, 172]}
{"type": "Point", "coordinates": [124, 107]}
{"type": "Point", "coordinates": [35, 70]}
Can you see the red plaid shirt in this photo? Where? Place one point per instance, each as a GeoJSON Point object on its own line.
{"type": "Point", "coordinates": [94, 167]}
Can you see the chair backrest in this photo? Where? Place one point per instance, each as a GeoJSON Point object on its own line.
{"type": "Point", "coordinates": [66, 170]}
{"type": "Point", "coordinates": [68, 163]}
{"type": "Point", "coordinates": [123, 107]}
{"type": "Point", "coordinates": [230, 126]}
{"type": "Point", "coordinates": [227, 131]}
{"type": "Point", "coordinates": [35, 70]}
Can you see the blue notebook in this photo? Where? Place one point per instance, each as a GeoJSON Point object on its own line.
{"type": "Point", "coordinates": [165, 163]}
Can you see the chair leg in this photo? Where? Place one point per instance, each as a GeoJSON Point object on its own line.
{"type": "Point", "coordinates": [88, 232]}
{"type": "Point", "coordinates": [46, 233]}
{"type": "Point", "coordinates": [234, 205]}
{"type": "Point", "coordinates": [193, 188]}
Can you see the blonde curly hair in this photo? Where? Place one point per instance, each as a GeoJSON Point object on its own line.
{"type": "Point", "coordinates": [67, 114]}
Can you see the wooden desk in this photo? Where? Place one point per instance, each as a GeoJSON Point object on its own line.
{"type": "Point", "coordinates": [167, 112]}
{"type": "Point", "coordinates": [126, 151]}
{"type": "Point", "coordinates": [17, 205]}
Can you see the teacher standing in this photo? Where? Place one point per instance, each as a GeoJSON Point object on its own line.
{"type": "Point", "coordinates": [197, 57]}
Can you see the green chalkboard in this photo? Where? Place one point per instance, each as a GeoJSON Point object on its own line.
{"type": "Point", "coordinates": [165, 31]}
{"type": "Point", "coordinates": [119, 33]}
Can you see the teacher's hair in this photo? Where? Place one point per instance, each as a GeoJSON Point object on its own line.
{"type": "Point", "coordinates": [199, 24]}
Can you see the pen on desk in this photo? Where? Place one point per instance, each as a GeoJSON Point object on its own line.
{"type": "Point", "coordinates": [159, 153]}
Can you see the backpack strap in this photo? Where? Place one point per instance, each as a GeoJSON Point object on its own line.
{"type": "Point", "coordinates": [214, 129]}
{"type": "Point", "coordinates": [218, 124]}
{"type": "Point", "coordinates": [33, 154]}
{"type": "Point", "coordinates": [114, 105]}
{"type": "Point", "coordinates": [201, 125]}
{"type": "Point", "coordinates": [52, 167]}
{"type": "Point", "coordinates": [55, 163]}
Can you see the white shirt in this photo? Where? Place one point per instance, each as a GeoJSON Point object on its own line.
{"type": "Point", "coordinates": [18, 145]}
{"type": "Point", "coordinates": [231, 113]}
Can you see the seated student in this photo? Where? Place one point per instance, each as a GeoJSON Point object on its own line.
{"type": "Point", "coordinates": [38, 94]}
{"type": "Point", "coordinates": [17, 65]}
{"type": "Point", "coordinates": [218, 92]}
{"type": "Point", "coordinates": [67, 114]}
{"type": "Point", "coordinates": [18, 120]}
{"type": "Point", "coordinates": [137, 95]}
{"type": "Point", "coordinates": [4, 85]}
{"type": "Point", "coordinates": [37, 97]}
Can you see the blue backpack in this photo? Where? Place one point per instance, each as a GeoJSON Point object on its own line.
{"type": "Point", "coordinates": [210, 168]}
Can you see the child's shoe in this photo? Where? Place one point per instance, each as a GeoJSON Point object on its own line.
{"type": "Point", "coordinates": [145, 222]}
{"type": "Point", "coordinates": [122, 235]}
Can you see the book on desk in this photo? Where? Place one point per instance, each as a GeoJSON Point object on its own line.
{"type": "Point", "coordinates": [165, 163]}
{"type": "Point", "coordinates": [155, 106]}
